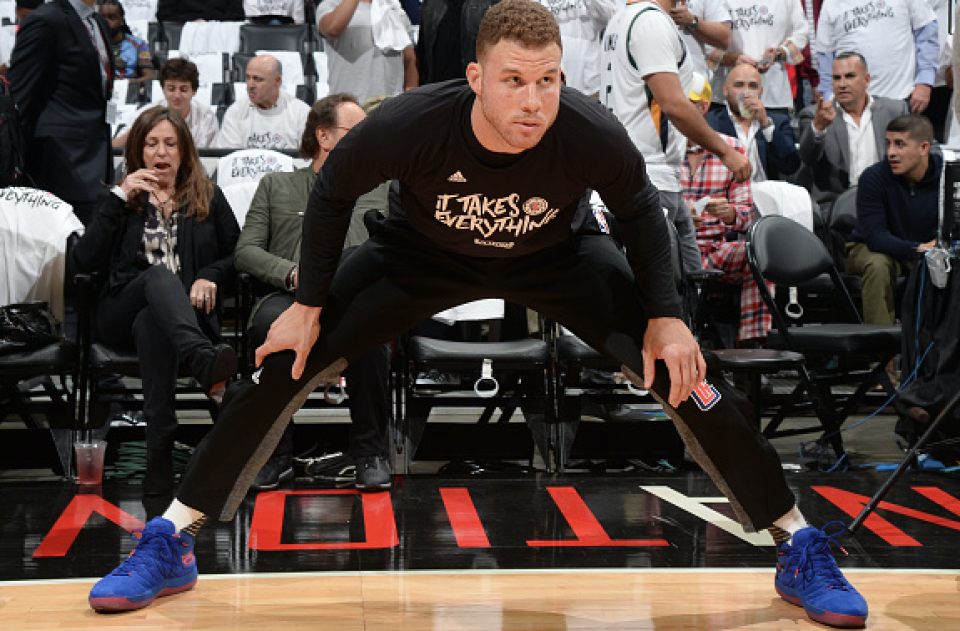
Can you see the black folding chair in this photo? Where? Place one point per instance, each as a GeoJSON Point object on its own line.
{"type": "Point", "coordinates": [848, 353]}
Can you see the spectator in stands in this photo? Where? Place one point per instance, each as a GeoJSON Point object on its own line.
{"type": "Point", "coordinates": [274, 11]}
{"type": "Point", "coordinates": [269, 118]}
{"type": "Point", "coordinates": [61, 83]}
{"type": "Point", "coordinates": [729, 210]}
{"type": "Point", "coordinates": [646, 74]}
{"type": "Point", "coordinates": [269, 250]}
{"type": "Point", "coordinates": [898, 41]}
{"type": "Point", "coordinates": [131, 55]}
{"type": "Point", "coordinates": [180, 80]}
{"type": "Point", "coordinates": [581, 25]}
{"type": "Point", "coordinates": [768, 37]}
{"type": "Point", "coordinates": [361, 59]}
{"type": "Point", "coordinates": [165, 238]}
{"type": "Point", "coordinates": [838, 140]}
{"type": "Point", "coordinates": [898, 202]}
{"type": "Point", "coordinates": [767, 136]}
{"type": "Point", "coordinates": [190, 10]}
{"type": "Point", "coordinates": [703, 23]}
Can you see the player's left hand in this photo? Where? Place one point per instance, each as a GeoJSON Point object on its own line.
{"type": "Point", "coordinates": [669, 339]}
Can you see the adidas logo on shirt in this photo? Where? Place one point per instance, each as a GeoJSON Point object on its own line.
{"type": "Point", "coordinates": [457, 177]}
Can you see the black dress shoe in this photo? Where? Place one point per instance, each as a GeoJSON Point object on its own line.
{"type": "Point", "coordinates": [277, 470]}
{"type": "Point", "coordinates": [373, 474]}
{"type": "Point", "coordinates": [221, 366]}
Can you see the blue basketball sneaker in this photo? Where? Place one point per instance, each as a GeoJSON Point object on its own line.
{"type": "Point", "coordinates": [160, 565]}
{"type": "Point", "coordinates": [808, 576]}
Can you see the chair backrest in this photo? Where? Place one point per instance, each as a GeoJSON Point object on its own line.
{"type": "Point", "coordinates": [207, 37]}
{"type": "Point", "coordinates": [843, 215]}
{"type": "Point", "coordinates": [170, 32]}
{"type": "Point", "coordinates": [785, 253]}
{"type": "Point", "coordinates": [249, 165]}
{"type": "Point", "coordinates": [290, 37]}
{"type": "Point", "coordinates": [293, 67]}
{"type": "Point", "coordinates": [212, 67]}
{"type": "Point", "coordinates": [34, 226]}
{"type": "Point", "coordinates": [239, 63]}
{"type": "Point", "coordinates": [775, 197]}
{"type": "Point", "coordinates": [240, 195]}
{"type": "Point", "coordinates": [781, 251]}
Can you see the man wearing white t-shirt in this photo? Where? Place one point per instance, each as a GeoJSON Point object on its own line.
{"type": "Point", "coordinates": [898, 38]}
{"type": "Point", "coordinates": [581, 24]}
{"type": "Point", "coordinates": [269, 118]}
{"type": "Point", "coordinates": [703, 23]}
{"type": "Point", "coordinates": [644, 56]}
{"type": "Point", "coordinates": [767, 35]}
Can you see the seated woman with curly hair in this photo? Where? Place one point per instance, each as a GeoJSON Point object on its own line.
{"type": "Point", "coordinates": [164, 238]}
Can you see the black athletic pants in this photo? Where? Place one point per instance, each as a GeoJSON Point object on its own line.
{"type": "Point", "coordinates": [153, 314]}
{"type": "Point", "coordinates": [398, 278]}
{"type": "Point", "coordinates": [367, 384]}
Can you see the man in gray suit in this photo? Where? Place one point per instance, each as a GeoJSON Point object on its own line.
{"type": "Point", "coordinates": [838, 143]}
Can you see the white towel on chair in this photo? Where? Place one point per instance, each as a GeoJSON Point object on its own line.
{"type": "Point", "coordinates": [210, 37]}
{"type": "Point", "coordinates": [774, 197]}
{"type": "Point", "coordinates": [389, 31]}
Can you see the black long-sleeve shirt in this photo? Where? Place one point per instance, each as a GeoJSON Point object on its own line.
{"type": "Point", "coordinates": [468, 200]}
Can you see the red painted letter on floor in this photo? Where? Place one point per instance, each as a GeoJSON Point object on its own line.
{"type": "Point", "coordinates": [74, 517]}
{"type": "Point", "coordinates": [852, 504]}
{"type": "Point", "coordinates": [584, 524]}
{"type": "Point", "coordinates": [379, 523]}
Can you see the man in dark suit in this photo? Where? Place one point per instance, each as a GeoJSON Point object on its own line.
{"type": "Point", "coordinates": [60, 75]}
{"type": "Point", "coordinates": [838, 143]}
{"type": "Point", "coordinates": [767, 136]}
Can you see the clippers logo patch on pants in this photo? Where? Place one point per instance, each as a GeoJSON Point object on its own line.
{"type": "Point", "coordinates": [705, 395]}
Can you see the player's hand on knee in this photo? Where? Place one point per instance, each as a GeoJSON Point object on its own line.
{"type": "Point", "coordinates": [297, 330]}
{"type": "Point", "coordinates": [669, 339]}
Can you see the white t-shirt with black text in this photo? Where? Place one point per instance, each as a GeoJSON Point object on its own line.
{"type": "Point", "coordinates": [881, 31]}
{"type": "Point", "coordinates": [246, 126]}
{"type": "Point", "coordinates": [757, 26]}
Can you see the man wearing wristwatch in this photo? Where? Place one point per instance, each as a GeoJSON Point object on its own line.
{"type": "Point", "coordinates": [768, 37]}
{"type": "Point", "coordinates": [841, 138]}
{"type": "Point", "coordinates": [702, 23]}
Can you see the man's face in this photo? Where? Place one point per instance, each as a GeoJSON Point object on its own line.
{"type": "Point", "coordinates": [111, 13]}
{"type": "Point", "coordinates": [348, 115]}
{"type": "Point", "coordinates": [161, 152]}
{"type": "Point", "coordinates": [263, 82]}
{"type": "Point", "coordinates": [741, 79]}
{"type": "Point", "coordinates": [850, 82]}
{"type": "Point", "coordinates": [904, 153]}
{"type": "Point", "coordinates": [179, 94]}
{"type": "Point", "coordinates": [518, 94]}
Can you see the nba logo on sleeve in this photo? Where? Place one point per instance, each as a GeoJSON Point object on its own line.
{"type": "Point", "coordinates": [705, 395]}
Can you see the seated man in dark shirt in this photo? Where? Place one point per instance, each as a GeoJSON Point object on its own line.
{"type": "Point", "coordinates": [491, 174]}
{"type": "Point", "coordinates": [897, 214]}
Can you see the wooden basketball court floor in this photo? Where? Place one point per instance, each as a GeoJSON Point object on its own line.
{"type": "Point", "coordinates": [509, 551]}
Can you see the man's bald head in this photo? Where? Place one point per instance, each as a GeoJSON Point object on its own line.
{"type": "Point", "coordinates": [264, 76]}
{"type": "Point", "coordinates": [742, 78]}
